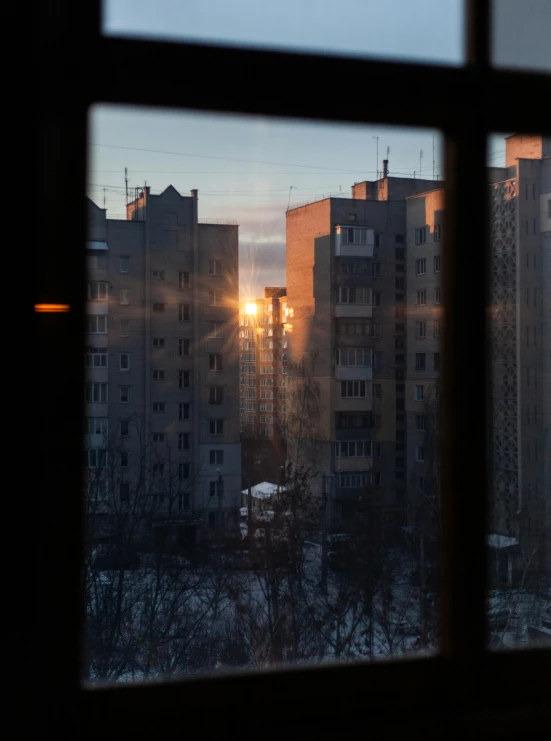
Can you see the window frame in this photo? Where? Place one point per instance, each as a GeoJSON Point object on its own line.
{"type": "Point", "coordinates": [491, 689]}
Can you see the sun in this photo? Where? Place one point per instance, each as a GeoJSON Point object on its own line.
{"type": "Point", "coordinates": [250, 308]}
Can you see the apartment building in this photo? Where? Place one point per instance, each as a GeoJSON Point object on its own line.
{"type": "Point", "coordinates": [162, 438]}
{"type": "Point", "coordinates": [263, 365]}
{"type": "Point", "coordinates": [520, 501]}
{"type": "Point", "coordinates": [346, 289]}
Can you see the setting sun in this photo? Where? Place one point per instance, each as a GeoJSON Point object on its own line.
{"type": "Point", "coordinates": [250, 308]}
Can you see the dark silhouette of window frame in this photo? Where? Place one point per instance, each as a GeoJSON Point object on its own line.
{"type": "Point", "coordinates": [464, 682]}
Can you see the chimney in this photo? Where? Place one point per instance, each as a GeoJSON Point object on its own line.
{"type": "Point", "coordinates": [193, 193]}
{"type": "Point", "coordinates": [385, 168]}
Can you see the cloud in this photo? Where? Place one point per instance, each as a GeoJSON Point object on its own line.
{"type": "Point", "coordinates": [260, 264]}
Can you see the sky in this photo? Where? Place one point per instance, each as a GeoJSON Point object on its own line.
{"type": "Point", "coordinates": [250, 169]}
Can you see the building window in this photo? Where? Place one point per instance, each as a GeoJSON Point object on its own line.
{"type": "Point", "coordinates": [159, 468]}
{"type": "Point", "coordinates": [421, 235]}
{"type": "Point", "coordinates": [215, 362]}
{"type": "Point", "coordinates": [183, 501]}
{"type": "Point", "coordinates": [353, 480]}
{"type": "Point", "coordinates": [436, 232]}
{"type": "Point", "coordinates": [216, 427]}
{"type": "Point", "coordinates": [419, 453]}
{"type": "Point", "coordinates": [436, 361]}
{"type": "Point", "coordinates": [124, 296]}
{"type": "Point", "coordinates": [215, 298]}
{"type": "Point", "coordinates": [101, 262]}
{"type": "Point", "coordinates": [125, 428]}
{"type": "Point", "coordinates": [352, 389]}
{"type": "Point", "coordinates": [376, 268]}
{"type": "Point", "coordinates": [535, 225]}
{"type": "Point", "coordinates": [183, 312]}
{"type": "Point", "coordinates": [420, 329]}
{"type": "Point", "coordinates": [183, 441]}
{"type": "Point", "coordinates": [124, 264]}
{"type": "Point", "coordinates": [183, 411]}
{"type": "Point", "coordinates": [437, 263]}
{"type": "Point", "coordinates": [399, 297]}
{"type": "Point", "coordinates": [354, 295]}
{"type": "Point", "coordinates": [376, 298]}
{"type": "Point", "coordinates": [96, 324]}
{"type": "Point", "coordinates": [183, 471]}
{"type": "Point", "coordinates": [216, 488]}
{"type": "Point", "coordinates": [96, 426]}
{"type": "Point", "coordinates": [351, 420]}
{"type": "Point", "coordinates": [158, 437]}
{"type": "Point", "coordinates": [399, 359]}
{"type": "Point", "coordinates": [158, 308]}
{"type": "Point", "coordinates": [400, 405]}
{"type": "Point", "coordinates": [124, 394]}
{"type": "Point", "coordinates": [159, 274]}
{"type": "Point", "coordinates": [437, 295]}
{"type": "Point", "coordinates": [421, 297]}
{"type": "Point", "coordinates": [400, 283]}
{"type": "Point", "coordinates": [158, 342]}
{"type": "Point", "coordinates": [216, 394]}
{"type": "Point", "coordinates": [437, 327]}
{"type": "Point", "coordinates": [184, 379]}
{"type": "Point", "coordinates": [183, 348]}
{"type": "Point", "coordinates": [95, 357]}
{"type": "Point", "coordinates": [400, 253]}
{"type": "Point", "coordinates": [97, 291]}
{"type": "Point", "coordinates": [376, 391]}
{"type": "Point", "coordinates": [400, 312]}
{"type": "Point", "coordinates": [353, 356]}
{"type": "Point", "coordinates": [125, 328]}
{"type": "Point", "coordinates": [215, 267]}
{"type": "Point", "coordinates": [420, 266]}
{"type": "Point", "coordinates": [159, 375]}
{"type": "Point", "coordinates": [124, 491]}
{"type": "Point", "coordinates": [214, 328]}
{"type": "Point", "coordinates": [376, 330]}
{"type": "Point", "coordinates": [124, 361]}
{"type": "Point", "coordinates": [184, 280]}
{"type": "Point", "coordinates": [399, 374]}
{"type": "Point", "coordinates": [420, 422]}
{"type": "Point", "coordinates": [96, 393]}
{"type": "Point", "coordinates": [419, 393]}
{"type": "Point", "coordinates": [420, 361]}
{"type": "Point", "coordinates": [421, 483]}
{"type": "Point", "coordinates": [159, 407]}
{"type": "Point", "coordinates": [94, 458]}
{"type": "Point", "coordinates": [399, 343]}
{"type": "Point", "coordinates": [216, 457]}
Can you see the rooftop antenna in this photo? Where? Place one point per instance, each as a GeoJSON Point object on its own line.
{"type": "Point", "coordinates": [126, 183]}
{"type": "Point", "coordinates": [289, 201]}
{"type": "Point", "coordinates": [420, 164]}
{"type": "Point", "coordinates": [377, 158]}
{"type": "Point", "coordinates": [104, 198]}
{"type": "Point", "coordinates": [433, 156]}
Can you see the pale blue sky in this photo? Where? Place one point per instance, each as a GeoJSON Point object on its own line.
{"type": "Point", "coordinates": [244, 167]}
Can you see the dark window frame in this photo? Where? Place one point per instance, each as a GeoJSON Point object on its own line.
{"type": "Point", "coordinates": [487, 690]}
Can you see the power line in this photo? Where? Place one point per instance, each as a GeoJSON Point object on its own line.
{"type": "Point", "coordinates": [228, 159]}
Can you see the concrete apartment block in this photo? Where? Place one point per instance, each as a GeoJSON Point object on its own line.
{"type": "Point", "coordinates": [169, 291]}
{"type": "Point", "coordinates": [520, 294]}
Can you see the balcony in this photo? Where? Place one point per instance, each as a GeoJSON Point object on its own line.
{"type": "Point", "coordinates": [352, 464]}
{"type": "Point", "coordinates": [353, 373]}
{"type": "Point", "coordinates": [353, 311]}
{"type": "Point", "coordinates": [354, 241]}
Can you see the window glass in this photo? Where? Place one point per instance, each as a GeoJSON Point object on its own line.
{"type": "Point", "coordinates": [520, 36]}
{"type": "Point", "coordinates": [519, 548]}
{"type": "Point", "coordinates": [265, 332]}
{"type": "Point", "coordinates": [353, 27]}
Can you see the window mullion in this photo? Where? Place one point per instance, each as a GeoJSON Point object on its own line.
{"type": "Point", "coordinates": [465, 397]}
